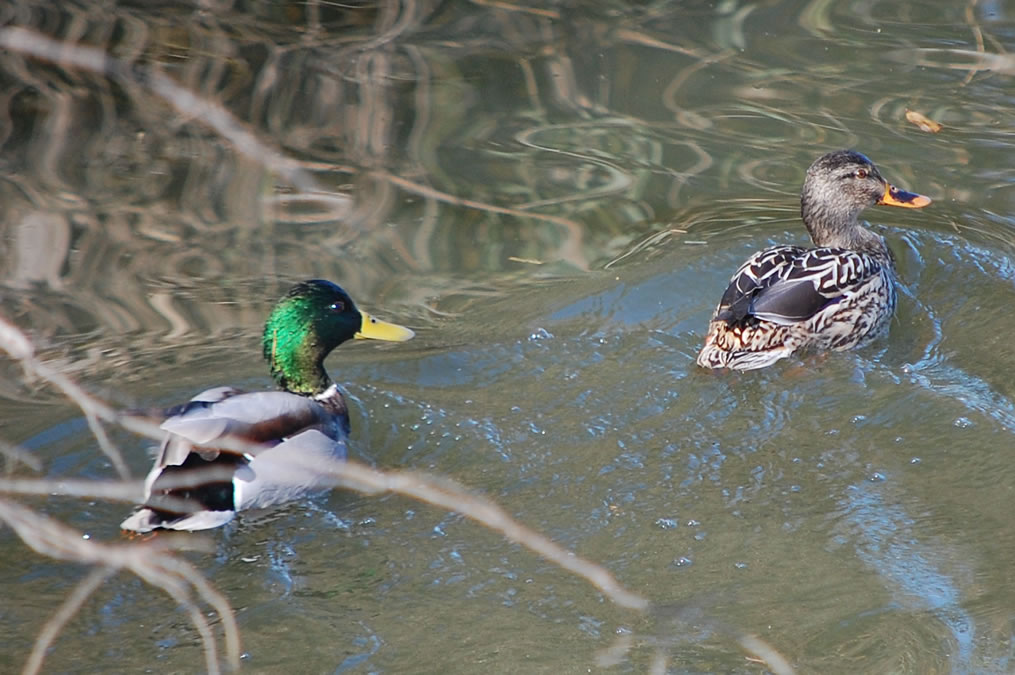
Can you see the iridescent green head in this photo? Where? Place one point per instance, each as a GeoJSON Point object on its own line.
{"type": "Point", "coordinates": [312, 319]}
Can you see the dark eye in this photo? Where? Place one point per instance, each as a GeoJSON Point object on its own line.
{"type": "Point", "coordinates": [337, 306]}
{"type": "Point", "coordinates": [861, 173]}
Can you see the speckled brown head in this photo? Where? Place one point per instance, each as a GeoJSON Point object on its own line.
{"type": "Point", "coordinates": [837, 188]}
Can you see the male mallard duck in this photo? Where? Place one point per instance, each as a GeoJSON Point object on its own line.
{"type": "Point", "coordinates": [305, 422]}
{"type": "Point", "coordinates": [836, 296]}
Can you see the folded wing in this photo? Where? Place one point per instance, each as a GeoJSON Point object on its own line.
{"type": "Point", "coordinates": [789, 284]}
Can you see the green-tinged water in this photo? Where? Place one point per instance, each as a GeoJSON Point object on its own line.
{"type": "Point", "coordinates": [553, 197]}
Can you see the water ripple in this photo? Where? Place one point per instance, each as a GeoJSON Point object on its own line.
{"type": "Point", "coordinates": [888, 540]}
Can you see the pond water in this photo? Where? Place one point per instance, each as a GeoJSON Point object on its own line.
{"type": "Point", "coordinates": [553, 196]}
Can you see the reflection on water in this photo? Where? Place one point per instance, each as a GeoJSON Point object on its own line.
{"type": "Point", "coordinates": [554, 197]}
{"type": "Point", "coordinates": [885, 539]}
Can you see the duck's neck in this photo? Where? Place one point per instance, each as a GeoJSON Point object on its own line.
{"type": "Point", "coordinates": [299, 367]}
{"type": "Point", "coordinates": [837, 227]}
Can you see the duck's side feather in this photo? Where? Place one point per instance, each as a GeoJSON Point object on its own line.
{"type": "Point", "coordinates": [292, 435]}
{"type": "Point", "coordinates": [789, 284]}
{"type": "Point", "coordinates": [174, 450]}
{"type": "Point", "coordinates": [259, 417]}
{"type": "Point", "coordinates": [287, 471]}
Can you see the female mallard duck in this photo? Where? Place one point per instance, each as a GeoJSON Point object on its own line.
{"type": "Point", "coordinates": [298, 427]}
{"type": "Point", "coordinates": [836, 296]}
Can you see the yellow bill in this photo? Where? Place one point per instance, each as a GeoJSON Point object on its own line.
{"type": "Point", "coordinates": [375, 329]}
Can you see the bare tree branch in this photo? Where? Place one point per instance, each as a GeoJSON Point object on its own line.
{"type": "Point", "coordinates": [64, 614]}
{"type": "Point", "coordinates": [14, 454]}
{"type": "Point", "coordinates": [150, 560]}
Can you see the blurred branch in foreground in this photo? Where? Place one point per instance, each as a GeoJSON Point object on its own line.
{"type": "Point", "coordinates": [153, 561]}
{"type": "Point", "coordinates": [359, 477]}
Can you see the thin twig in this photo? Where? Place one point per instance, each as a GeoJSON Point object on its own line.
{"type": "Point", "coordinates": [115, 490]}
{"type": "Point", "coordinates": [132, 491]}
{"type": "Point", "coordinates": [15, 454]}
{"type": "Point", "coordinates": [210, 595]}
{"type": "Point", "coordinates": [150, 560]}
{"type": "Point", "coordinates": [71, 606]}
{"type": "Point", "coordinates": [17, 344]}
{"type": "Point", "coordinates": [453, 497]}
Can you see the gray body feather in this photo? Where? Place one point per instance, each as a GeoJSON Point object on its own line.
{"type": "Point", "coordinates": [291, 437]}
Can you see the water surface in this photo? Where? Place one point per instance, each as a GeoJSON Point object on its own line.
{"type": "Point", "coordinates": [554, 199]}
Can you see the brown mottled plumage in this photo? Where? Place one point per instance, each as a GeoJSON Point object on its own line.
{"type": "Point", "coordinates": [838, 295]}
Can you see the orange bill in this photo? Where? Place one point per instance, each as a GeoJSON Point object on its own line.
{"type": "Point", "coordinates": [895, 197]}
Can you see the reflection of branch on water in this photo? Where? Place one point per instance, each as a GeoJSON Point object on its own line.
{"type": "Point", "coordinates": [978, 34]}
{"type": "Point", "coordinates": [185, 101]}
{"type": "Point", "coordinates": [154, 562]}
{"type": "Point", "coordinates": [375, 134]}
{"type": "Point", "coordinates": [572, 228]}
{"type": "Point", "coordinates": [674, 623]}
{"type": "Point", "coordinates": [363, 101]}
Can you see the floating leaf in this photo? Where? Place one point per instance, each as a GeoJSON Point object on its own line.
{"type": "Point", "coordinates": [925, 123]}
